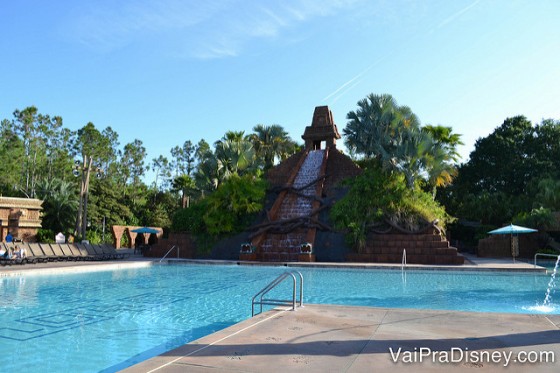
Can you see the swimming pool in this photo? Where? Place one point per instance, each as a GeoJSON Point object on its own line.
{"type": "Point", "coordinates": [108, 320]}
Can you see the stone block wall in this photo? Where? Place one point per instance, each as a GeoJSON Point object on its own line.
{"type": "Point", "coordinates": [184, 241]}
{"type": "Point", "coordinates": [339, 167]}
{"type": "Point", "coordinates": [420, 249]}
{"type": "Point", "coordinates": [499, 246]}
{"type": "Point", "coordinates": [278, 175]}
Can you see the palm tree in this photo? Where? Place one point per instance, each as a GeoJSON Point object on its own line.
{"type": "Point", "coordinates": [442, 167]}
{"type": "Point", "coordinates": [375, 129]}
{"type": "Point", "coordinates": [446, 138]}
{"type": "Point", "coordinates": [271, 142]}
{"type": "Point", "coordinates": [185, 184]}
{"type": "Point", "coordinates": [235, 157]}
{"type": "Point", "coordinates": [60, 203]}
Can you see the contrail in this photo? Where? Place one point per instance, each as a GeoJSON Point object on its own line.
{"type": "Point", "coordinates": [457, 14]}
{"type": "Point", "coordinates": [361, 74]}
{"type": "Point", "coordinates": [358, 78]}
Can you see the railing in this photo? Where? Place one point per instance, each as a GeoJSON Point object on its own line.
{"type": "Point", "coordinates": [403, 264]}
{"type": "Point", "coordinates": [541, 254]}
{"type": "Point", "coordinates": [167, 253]}
{"type": "Point", "coordinates": [279, 302]}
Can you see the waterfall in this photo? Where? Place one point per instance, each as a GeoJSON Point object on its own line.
{"type": "Point", "coordinates": [294, 206]}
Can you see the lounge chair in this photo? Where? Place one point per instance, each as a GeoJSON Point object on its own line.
{"type": "Point", "coordinates": [58, 252]}
{"type": "Point", "coordinates": [110, 250]}
{"type": "Point", "coordinates": [29, 258]}
{"type": "Point", "coordinates": [77, 253]}
{"type": "Point", "coordinates": [49, 253]}
{"type": "Point", "coordinates": [97, 250]}
{"type": "Point", "coordinates": [34, 251]}
{"type": "Point", "coordinates": [91, 253]}
{"type": "Point", "coordinates": [80, 248]}
{"type": "Point", "coordinates": [13, 260]}
{"type": "Point", "coordinates": [65, 248]}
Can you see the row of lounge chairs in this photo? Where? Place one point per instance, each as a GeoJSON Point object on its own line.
{"type": "Point", "coordinates": [44, 252]}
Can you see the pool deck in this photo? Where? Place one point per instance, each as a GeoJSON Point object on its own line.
{"type": "Point", "coordinates": [319, 338]}
{"type": "Point", "coordinates": [326, 338]}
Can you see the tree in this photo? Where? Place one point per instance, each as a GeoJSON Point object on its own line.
{"type": "Point", "coordinates": [37, 132]}
{"type": "Point", "coordinates": [186, 185]}
{"type": "Point", "coordinates": [131, 166]}
{"type": "Point", "coordinates": [183, 158]}
{"type": "Point", "coordinates": [271, 142]}
{"type": "Point", "coordinates": [59, 204]}
{"type": "Point", "coordinates": [162, 170]}
{"type": "Point", "coordinates": [442, 168]}
{"type": "Point", "coordinates": [234, 157]}
{"type": "Point", "coordinates": [511, 171]}
{"type": "Point", "coordinates": [11, 159]}
{"type": "Point", "coordinates": [390, 133]}
{"type": "Point", "coordinates": [499, 162]}
{"type": "Point", "coordinates": [376, 126]}
{"type": "Point", "coordinates": [94, 148]}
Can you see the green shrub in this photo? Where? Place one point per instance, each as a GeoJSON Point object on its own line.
{"type": "Point", "coordinates": [540, 218]}
{"type": "Point", "coordinates": [45, 235]}
{"type": "Point", "coordinates": [225, 212]}
{"type": "Point", "coordinates": [232, 207]}
{"type": "Point", "coordinates": [190, 219]}
{"type": "Point", "coordinates": [376, 196]}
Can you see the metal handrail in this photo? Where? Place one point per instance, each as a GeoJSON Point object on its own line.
{"type": "Point", "coordinates": [541, 254]}
{"type": "Point", "coordinates": [167, 253]}
{"type": "Point", "coordinates": [403, 264]}
{"type": "Point", "coordinates": [279, 302]}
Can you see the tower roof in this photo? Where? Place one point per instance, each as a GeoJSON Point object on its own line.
{"type": "Point", "coordinates": [322, 128]}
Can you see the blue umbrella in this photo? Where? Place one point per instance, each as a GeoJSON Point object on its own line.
{"type": "Point", "coordinates": [512, 229]}
{"type": "Point", "coordinates": [145, 230]}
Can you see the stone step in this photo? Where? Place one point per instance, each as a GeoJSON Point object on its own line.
{"type": "Point", "coordinates": [411, 251]}
{"type": "Point", "coordinates": [410, 259]}
{"type": "Point", "coordinates": [408, 244]}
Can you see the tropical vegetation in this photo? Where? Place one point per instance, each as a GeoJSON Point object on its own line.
{"type": "Point", "coordinates": [412, 175]}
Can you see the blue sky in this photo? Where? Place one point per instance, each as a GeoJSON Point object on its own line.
{"type": "Point", "coordinates": [166, 71]}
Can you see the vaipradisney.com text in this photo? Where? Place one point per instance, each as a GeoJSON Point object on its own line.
{"type": "Point", "coordinates": [457, 355]}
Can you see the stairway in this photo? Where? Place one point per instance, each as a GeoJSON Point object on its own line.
{"type": "Point", "coordinates": [285, 247]}
{"type": "Point", "coordinates": [428, 248]}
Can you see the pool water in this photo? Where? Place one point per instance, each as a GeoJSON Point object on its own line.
{"type": "Point", "coordinates": [109, 320]}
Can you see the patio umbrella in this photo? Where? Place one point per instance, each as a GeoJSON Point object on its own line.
{"type": "Point", "coordinates": [145, 230]}
{"type": "Point", "coordinates": [513, 231]}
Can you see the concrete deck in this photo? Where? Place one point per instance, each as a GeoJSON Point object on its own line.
{"type": "Point", "coordinates": [319, 338]}
{"type": "Point", "coordinates": [358, 339]}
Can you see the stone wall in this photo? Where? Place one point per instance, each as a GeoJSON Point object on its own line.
{"type": "Point", "coordinates": [339, 167]}
{"type": "Point", "coordinates": [499, 246]}
{"type": "Point", "coordinates": [21, 217]}
{"type": "Point", "coordinates": [278, 175]}
{"type": "Point", "coordinates": [119, 230]}
{"type": "Point", "coordinates": [184, 241]}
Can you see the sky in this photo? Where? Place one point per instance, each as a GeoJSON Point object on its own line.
{"type": "Point", "coordinates": [167, 71]}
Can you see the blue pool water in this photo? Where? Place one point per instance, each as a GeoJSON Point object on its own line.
{"type": "Point", "coordinates": [106, 321]}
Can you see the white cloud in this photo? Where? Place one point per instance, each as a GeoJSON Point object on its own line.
{"type": "Point", "coordinates": [199, 29]}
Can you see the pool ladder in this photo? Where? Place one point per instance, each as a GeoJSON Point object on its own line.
{"type": "Point", "coordinates": [259, 299]}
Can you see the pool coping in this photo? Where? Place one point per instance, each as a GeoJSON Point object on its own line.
{"type": "Point", "coordinates": [478, 265]}
{"type": "Point", "coordinates": [484, 265]}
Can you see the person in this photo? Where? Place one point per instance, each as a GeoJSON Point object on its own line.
{"type": "Point", "coordinates": [20, 252]}
{"type": "Point", "coordinates": [9, 237]}
{"type": "Point", "coordinates": [9, 254]}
